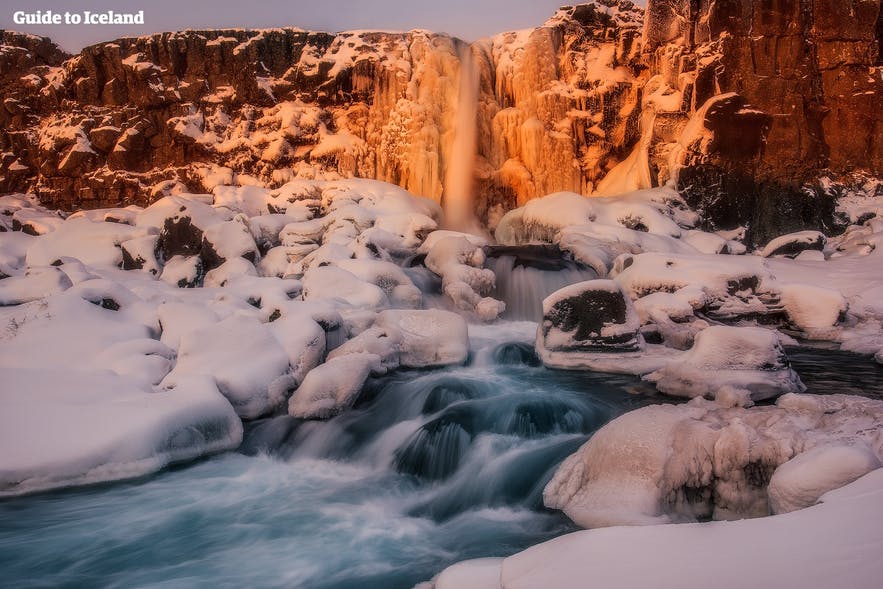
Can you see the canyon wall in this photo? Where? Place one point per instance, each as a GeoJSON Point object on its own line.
{"type": "Point", "coordinates": [745, 104]}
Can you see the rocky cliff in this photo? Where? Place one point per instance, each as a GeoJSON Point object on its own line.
{"type": "Point", "coordinates": [744, 104]}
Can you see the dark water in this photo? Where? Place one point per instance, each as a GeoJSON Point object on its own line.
{"type": "Point", "coordinates": [429, 469]}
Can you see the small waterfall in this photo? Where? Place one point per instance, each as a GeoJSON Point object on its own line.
{"type": "Point", "coordinates": [528, 274]}
{"type": "Point", "coordinates": [457, 201]}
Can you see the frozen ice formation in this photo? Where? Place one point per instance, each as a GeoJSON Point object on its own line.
{"type": "Point", "coordinates": [704, 460]}
{"type": "Point", "coordinates": [460, 263]}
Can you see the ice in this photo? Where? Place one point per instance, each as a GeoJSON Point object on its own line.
{"type": "Point", "coordinates": [465, 282]}
{"type": "Point", "coordinates": [246, 361]}
{"type": "Point", "coordinates": [703, 460]}
{"type": "Point", "coordinates": [802, 481]}
{"type": "Point", "coordinates": [332, 387]}
{"type": "Point", "coordinates": [63, 427]}
{"type": "Point", "coordinates": [748, 358]}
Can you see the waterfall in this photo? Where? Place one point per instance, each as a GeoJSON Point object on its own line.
{"type": "Point", "coordinates": [458, 198]}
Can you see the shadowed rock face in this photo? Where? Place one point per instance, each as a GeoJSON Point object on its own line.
{"type": "Point", "coordinates": [559, 107]}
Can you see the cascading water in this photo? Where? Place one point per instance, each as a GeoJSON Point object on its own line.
{"type": "Point", "coordinates": [458, 199]}
{"type": "Point", "coordinates": [525, 275]}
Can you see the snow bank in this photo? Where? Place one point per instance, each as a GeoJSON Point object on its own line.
{"type": "Point", "coordinates": [834, 544]}
{"type": "Point", "coordinates": [70, 427]}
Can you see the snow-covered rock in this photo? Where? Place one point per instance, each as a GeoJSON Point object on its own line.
{"type": "Point", "coordinates": [183, 271]}
{"type": "Point", "coordinates": [748, 358]}
{"type": "Point", "coordinates": [35, 284]}
{"type": "Point", "coordinates": [63, 427]}
{"type": "Point", "coordinates": [813, 308]}
{"type": "Point", "coordinates": [802, 481]}
{"type": "Point", "coordinates": [333, 386]}
{"type": "Point", "coordinates": [94, 243]}
{"type": "Point", "coordinates": [249, 365]}
{"type": "Point", "coordinates": [333, 283]}
{"type": "Point", "coordinates": [793, 244]}
{"type": "Point", "coordinates": [429, 338]}
{"type": "Point", "coordinates": [383, 342]}
{"type": "Point", "coordinates": [593, 326]}
{"type": "Point", "coordinates": [673, 463]}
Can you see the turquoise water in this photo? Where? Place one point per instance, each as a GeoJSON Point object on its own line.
{"type": "Point", "coordinates": [430, 468]}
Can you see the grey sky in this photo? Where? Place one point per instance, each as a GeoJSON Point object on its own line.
{"type": "Point", "coordinates": [468, 19]}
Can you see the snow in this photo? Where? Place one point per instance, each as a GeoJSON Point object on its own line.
{"type": "Point", "coordinates": [332, 387]}
{"type": "Point", "coordinates": [92, 243]}
{"type": "Point", "coordinates": [802, 481]}
{"type": "Point", "coordinates": [459, 263]}
{"type": "Point", "coordinates": [833, 544]}
{"type": "Point", "coordinates": [747, 358]}
{"type": "Point", "coordinates": [246, 361]}
{"type": "Point", "coordinates": [333, 283]}
{"type": "Point", "coordinates": [813, 308]}
{"type": "Point", "coordinates": [69, 426]}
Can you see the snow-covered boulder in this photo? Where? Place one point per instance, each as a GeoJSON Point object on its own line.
{"type": "Point", "coordinates": [333, 386]}
{"type": "Point", "coordinates": [429, 338]}
{"type": "Point", "coordinates": [333, 283]}
{"type": "Point", "coordinates": [791, 245]}
{"type": "Point", "coordinates": [746, 358]}
{"type": "Point", "coordinates": [593, 326]}
{"type": "Point", "coordinates": [63, 427]}
{"type": "Point", "coordinates": [802, 481]}
{"type": "Point", "coordinates": [35, 284]}
{"type": "Point", "coordinates": [227, 241]}
{"type": "Point", "coordinates": [249, 365]}
{"type": "Point", "coordinates": [92, 243]}
{"type": "Point", "coordinates": [183, 271]}
{"type": "Point", "coordinates": [142, 253]}
{"type": "Point", "coordinates": [232, 269]}
{"type": "Point", "coordinates": [181, 221]}
{"type": "Point", "coordinates": [702, 460]}
{"type": "Point", "coordinates": [383, 342]}
{"type": "Point", "coordinates": [735, 287]}
{"type": "Point", "coordinates": [813, 308]}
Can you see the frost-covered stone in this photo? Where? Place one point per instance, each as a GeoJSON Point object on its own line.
{"type": "Point", "coordinates": [793, 244]}
{"type": "Point", "coordinates": [429, 338]}
{"type": "Point", "coordinates": [702, 460]}
{"type": "Point", "coordinates": [801, 482]}
{"type": "Point", "coordinates": [333, 386]}
{"type": "Point", "coordinates": [72, 427]}
{"type": "Point", "coordinates": [249, 365]}
{"type": "Point", "coordinates": [749, 358]}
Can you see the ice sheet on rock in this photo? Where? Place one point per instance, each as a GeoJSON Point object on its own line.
{"type": "Point", "coordinates": [749, 358]}
{"type": "Point", "coordinates": [247, 362]}
{"type": "Point", "coordinates": [429, 338]}
{"type": "Point", "coordinates": [63, 427]}
{"type": "Point", "coordinates": [333, 386]}
{"type": "Point", "coordinates": [802, 481]}
{"type": "Point", "coordinates": [702, 460]}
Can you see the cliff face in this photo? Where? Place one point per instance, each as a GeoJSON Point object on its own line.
{"type": "Point", "coordinates": [807, 83]}
{"type": "Point", "coordinates": [741, 102]}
